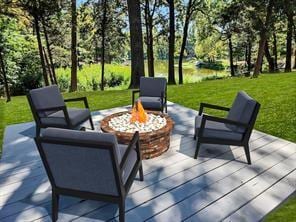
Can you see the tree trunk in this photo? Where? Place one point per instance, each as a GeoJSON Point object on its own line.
{"type": "Point", "coordinates": [149, 39]}
{"type": "Point", "coordinates": [249, 56]}
{"type": "Point", "coordinates": [40, 48]}
{"type": "Point", "coordinates": [73, 86]}
{"type": "Point", "coordinates": [4, 74]}
{"type": "Point", "coordinates": [103, 43]}
{"type": "Point", "coordinates": [295, 59]}
{"type": "Point", "coordinates": [288, 66]}
{"type": "Point", "coordinates": [171, 68]}
{"type": "Point", "coordinates": [50, 55]}
{"type": "Point", "coordinates": [150, 51]}
{"type": "Point", "coordinates": [263, 37]}
{"type": "Point", "coordinates": [295, 45]}
{"type": "Point", "coordinates": [184, 40]}
{"type": "Point", "coordinates": [48, 67]}
{"type": "Point", "coordinates": [269, 57]}
{"type": "Point", "coordinates": [136, 42]}
{"type": "Point", "coordinates": [275, 51]}
{"type": "Point", "coordinates": [232, 71]}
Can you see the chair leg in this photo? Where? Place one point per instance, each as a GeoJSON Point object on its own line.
{"type": "Point", "coordinates": [55, 206]}
{"type": "Point", "coordinates": [166, 108]}
{"type": "Point", "coordinates": [122, 211]}
{"type": "Point", "coordinates": [247, 151]}
{"type": "Point", "coordinates": [196, 150]}
{"type": "Point", "coordinates": [91, 123]}
{"type": "Point", "coordinates": [37, 131]}
{"type": "Point", "coordinates": [141, 173]}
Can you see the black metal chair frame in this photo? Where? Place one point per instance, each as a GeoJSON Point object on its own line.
{"type": "Point", "coordinates": [163, 98]}
{"type": "Point", "coordinates": [123, 189]}
{"type": "Point", "coordinates": [246, 135]}
{"type": "Point", "coordinates": [39, 124]}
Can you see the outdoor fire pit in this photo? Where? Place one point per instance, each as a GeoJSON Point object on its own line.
{"type": "Point", "coordinates": [154, 128]}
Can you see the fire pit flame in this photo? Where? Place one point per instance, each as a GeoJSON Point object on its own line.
{"type": "Point", "coordinates": [138, 113]}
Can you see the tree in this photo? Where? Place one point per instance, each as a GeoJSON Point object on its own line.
{"type": "Point", "coordinates": [136, 42]}
{"type": "Point", "coordinates": [73, 86]}
{"type": "Point", "coordinates": [289, 10]}
{"type": "Point", "coordinates": [40, 47]}
{"type": "Point", "coordinates": [103, 34]}
{"type": "Point", "coordinates": [171, 67]}
{"type": "Point", "coordinates": [264, 31]}
{"type": "Point", "coordinates": [269, 58]}
{"type": "Point", "coordinates": [228, 24]}
{"type": "Point", "coordinates": [191, 8]}
{"type": "Point", "coordinates": [153, 17]}
{"type": "Point", "coordinates": [4, 75]}
{"type": "Point", "coordinates": [295, 46]}
{"type": "Point", "coordinates": [37, 10]}
{"type": "Point", "coordinates": [49, 51]}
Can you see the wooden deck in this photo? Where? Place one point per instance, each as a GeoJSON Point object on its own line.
{"type": "Point", "coordinates": [219, 185]}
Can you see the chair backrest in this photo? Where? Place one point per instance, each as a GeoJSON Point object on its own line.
{"type": "Point", "coordinates": [152, 86]}
{"type": "Point", "coordinates": [243, 109]}
{"type": "Point", "coordinates": [81, 161]}
{"type": "Point", "coordinates": [44, 98]}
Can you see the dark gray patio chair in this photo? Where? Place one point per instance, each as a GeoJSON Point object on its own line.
{"type": "Point", "coordinates": [49, 109]}
{"type": "Point", "coordinates": [153, 93]}
{"type": "Point", "coordinates": [235, 129]}
{"type": "Point", "coordinates": [89, 165]}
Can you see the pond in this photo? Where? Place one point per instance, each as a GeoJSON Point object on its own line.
{"type": "Point", "coordinates": [190, 72]}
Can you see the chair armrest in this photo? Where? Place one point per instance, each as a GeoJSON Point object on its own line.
{"type": "Point", "coordinates": [84, 99]}
{"type": "Point", "coordinates": [206, 105]}
{"type": "Point", "coordinates": [134, 142]}
{"type": "Point", "coordinates": [133, 97]}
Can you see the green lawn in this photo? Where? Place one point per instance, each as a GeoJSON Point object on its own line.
{"type": "Point", "coordinates": [275, 92]}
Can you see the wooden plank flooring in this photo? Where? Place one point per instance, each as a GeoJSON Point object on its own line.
{"type": "Point", "coordinates": [219, 185]}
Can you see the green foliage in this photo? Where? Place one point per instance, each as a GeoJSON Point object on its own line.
{"type": "Point", "coordinates": [116, 75]}
{"type": "Point", "coordinates": [63, 82]}
{"type": "Point", "coordinates": [28, 75]}
{"type": "Point", "coordinates": [20, 56]}
{"type": "Point", "coordinates": [115, 80]}
{"type": "Point", "coordinates": [209, 48]}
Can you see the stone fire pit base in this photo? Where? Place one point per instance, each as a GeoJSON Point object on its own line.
{"type": "Point", "coordinates": [152, 143]}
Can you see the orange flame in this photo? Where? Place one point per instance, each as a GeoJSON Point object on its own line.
{"type": "Point", "coordinates": [138, 113]}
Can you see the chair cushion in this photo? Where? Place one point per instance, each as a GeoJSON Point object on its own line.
{"type": "Point", "coordinates": [152, 86]}
{"type": "Point", "coordinates": [217, 130]}
{"type": "Point", "coordinates": [46, 97]}
{"type": "Point", "coordinates": [83, 137]}
{"type": "Point", "coordinates": [242, 109]}
{"type": "Point", "coordinates": [131, 161]}
{"type": "Point", "coordinates": [57, 119]}
{"type": "Point", "coordinates": [153, 103]}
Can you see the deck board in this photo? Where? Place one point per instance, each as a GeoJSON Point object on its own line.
{"type": "Point", "coordinates": [175, 186]}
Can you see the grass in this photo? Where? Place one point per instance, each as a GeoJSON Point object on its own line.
{"type": "Point", "coordinates": [275, 92]}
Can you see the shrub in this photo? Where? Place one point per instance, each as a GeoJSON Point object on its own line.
{"type": "Point", "coordinates": [28, 74]}
{"type": "Point", "coordinates": [95, 85]}
{"type": "Point", "coordinates": [63, 83]}
{"type": "Point", "coordinates": [114, 80]}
